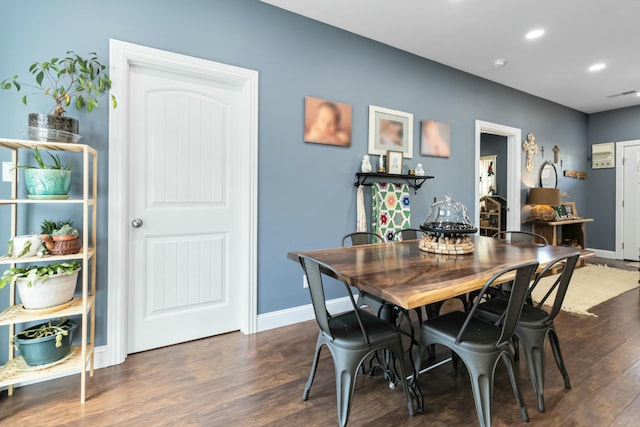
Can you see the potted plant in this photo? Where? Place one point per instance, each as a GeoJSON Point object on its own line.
{"type": "Point", "coordinates": [43, 286]}
{"type": "Point", "coordinates": [60, 237]}
{"type": "Point", "coordinates": [25, 246]}
{"type": "Point", "coordinates": [47, 181]}
{"type": "Point", "coordinates": [45, 343]}
{"type": "Point", "coordinates": [72, 79]}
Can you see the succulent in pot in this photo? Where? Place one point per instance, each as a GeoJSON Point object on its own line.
{"type": "Point", "coordinates": [60, 237]}
{"type": "Point", "coordinates": [73, 79]}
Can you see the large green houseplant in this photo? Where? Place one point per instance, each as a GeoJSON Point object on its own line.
{"type": "Point", "coordinates": [72, 80]}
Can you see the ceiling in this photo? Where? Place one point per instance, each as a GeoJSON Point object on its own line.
{"type": "Point", "coordinates": [471, 34]}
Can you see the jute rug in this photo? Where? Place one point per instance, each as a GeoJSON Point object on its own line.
{"type": "Point", "coordinates": [590, 286]}
{"type": "Point", "coordinates": [632, 264]}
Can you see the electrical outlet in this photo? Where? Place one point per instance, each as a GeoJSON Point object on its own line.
{"type": "Point", "coordinates": [305, 283]}
{"type": "Point", "coordinates": [7, 171]}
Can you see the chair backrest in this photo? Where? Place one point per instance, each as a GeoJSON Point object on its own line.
{"type": "Point", "coordinates": [519, 290]}
{"type": "Point", "coordinates": [561, 284]}
{"type": "Point", "coordinates": [522, 236]}
{"type": "Point", "coordinates": [408, 234]}
{"type": "Point", "coordinates": [314, 270]}
{"type": "Point", "coordinates": [361, 238]}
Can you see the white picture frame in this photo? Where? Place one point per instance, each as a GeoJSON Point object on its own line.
{"type": "Point", "coordinates": [394, 162]}
{"type": "Point", "coordinates": [390, 130]}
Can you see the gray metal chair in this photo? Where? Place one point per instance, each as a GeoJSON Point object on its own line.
{"type": "Point", "coordinates": [521, 236]}
{"type": "Point", "coordinates": [375, 304]}
{"type": "Point", "coordinates": [350, 337]}
{"type": "Point", "coordinates": [479, 344]}
{"type": "Point", "coordinates": [536, 324]}
{"type": "Point", "coordinates": [408, 234]}
{"type": "Point", "coordinates": [361, 238]}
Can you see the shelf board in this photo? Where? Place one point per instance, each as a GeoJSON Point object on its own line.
{"type": "Point", "coordinates": [31, 201]}
{"type": "Point", "coordinates": [414, 181]}
{"type": "Point", "coordinates": [32, 259]}
{"type": "Point", "coordinates": [16, 371]}
{"type": "Point", "coordinates": [16, 314]}
{"type": "Point", "coordinates": [46, 145]}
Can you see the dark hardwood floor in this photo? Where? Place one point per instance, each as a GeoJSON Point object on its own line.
{"type": "Point", "coordinates": [257, 380]}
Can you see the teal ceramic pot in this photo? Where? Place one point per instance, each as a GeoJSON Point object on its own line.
{"type": "Point", "coordinates": [42, 351]}
{"type": "Point", "coordinates": [47, 182]}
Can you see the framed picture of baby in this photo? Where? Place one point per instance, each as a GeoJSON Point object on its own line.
{"type": "Point", "coordinates": [390, 130]}
{"type": "Point", "coordinates": [436, 139]}
{"type": "Point", "coordinates": [327, 122]}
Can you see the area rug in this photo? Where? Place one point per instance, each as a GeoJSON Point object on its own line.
{"type": "Point", "coordinates": [632, 264]}
{"type": "Point", "coordinates": [590, 285]}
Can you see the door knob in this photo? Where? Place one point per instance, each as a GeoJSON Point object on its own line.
{"type": "Point", "coordinates": [137, 223]}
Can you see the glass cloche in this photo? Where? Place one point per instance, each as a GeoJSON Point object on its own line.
{"type": "Point", "coordinates": [447, 229]}
{"type": "Point", "coordinates": [448, 217]}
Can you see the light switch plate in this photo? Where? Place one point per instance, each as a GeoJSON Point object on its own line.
{"type": "Point", "coordinates": [7, 171]}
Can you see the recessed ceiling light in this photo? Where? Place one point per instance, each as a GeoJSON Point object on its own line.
{"type": "Point", "coordinates": [534, 34]}
{"type": "Point", "coordinates": [597, 67]}
{"type": "Point", "coordinates": [501, 62]}
{"type": "Point", "coordinates": [637, 93]}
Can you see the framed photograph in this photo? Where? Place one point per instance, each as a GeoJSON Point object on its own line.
{"type": "Point", "coordinates": [435, 139]}
{"type": "Point", "coordinates": [570, 209]}
{"type": "Point", "coordinates": [390, 130]}
{"type": "Point", "coordinates": [327, 122]}
{"type": "Point", "coordinates": [394, 162]}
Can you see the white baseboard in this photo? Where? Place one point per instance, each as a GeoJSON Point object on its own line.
{"type": "Point", "coordinates": [289, 316]}
{"type": "Point", "coordinates": [603, 254]}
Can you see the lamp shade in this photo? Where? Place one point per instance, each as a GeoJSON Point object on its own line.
{"type": "Point", "coordinates": [544, 196]}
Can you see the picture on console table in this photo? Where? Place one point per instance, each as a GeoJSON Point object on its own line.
{"type": "Point", "coordinates": [327, 122]}
{"type": "Point", "coordinates": [390, 130]}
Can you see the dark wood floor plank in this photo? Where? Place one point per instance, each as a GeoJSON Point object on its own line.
{"type": "Point", "coordinates": [257, 380]}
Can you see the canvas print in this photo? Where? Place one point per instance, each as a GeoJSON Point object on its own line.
{"type": "Point", "coordinates": [436, 139]}
{"type": "Point", "coordinates": [327, 122]}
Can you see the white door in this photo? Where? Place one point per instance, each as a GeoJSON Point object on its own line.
{"type": "Point", "coordinates": [184, 240]}
{"type": "Point", "coordinates": [631, 200]}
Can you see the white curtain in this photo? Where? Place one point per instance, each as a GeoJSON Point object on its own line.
{"type": "Point", "coordinates": [487, 179]}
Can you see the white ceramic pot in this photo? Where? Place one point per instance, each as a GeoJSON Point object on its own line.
{"type": "Point", "coordinates": [20, 242]}
{"type": "Point", "coordinates": [56, 290]}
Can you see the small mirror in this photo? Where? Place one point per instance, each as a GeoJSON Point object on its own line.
{"type": "Point", "coordinates": [548, 176]}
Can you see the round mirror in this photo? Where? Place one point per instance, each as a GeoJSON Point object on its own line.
{"type": "Point", "coordinates": [548, 176]}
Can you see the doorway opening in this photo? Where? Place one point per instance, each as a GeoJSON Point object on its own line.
{"type": "Point", "coordinates": [513, 172]}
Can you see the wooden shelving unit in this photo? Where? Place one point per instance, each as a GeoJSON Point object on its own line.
{"type": "Point", "coordinates": [81, 357]}
{"type": "Point", "coordinates": [491, 216]}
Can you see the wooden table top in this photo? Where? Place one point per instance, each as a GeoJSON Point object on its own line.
{"type": "Point", "coordinates": [401, 273]}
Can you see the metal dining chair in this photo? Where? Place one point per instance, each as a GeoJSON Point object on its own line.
{"type": "Point", "coordinates": [521, 236]}
{"type": "Point", "coordinates": [408, 234]}
{"type": "Point", "coordinates": [361, 238]}
{"type": "Point", "coordinates": [350, 337]}
{"type": "Point", "coordinates": [481, 344]}
{"type": "Point", "coordinates": [375, 304]}
{"type": "Point", "coordinates": [536, 324]}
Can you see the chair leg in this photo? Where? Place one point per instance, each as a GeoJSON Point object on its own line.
{"type": "Point", "coordinates": [535, 361]}
{"type": "Point", "coordinates": [557, 354]}
{"type": "Point", "coordinates": [314, 366]}
{"type": "Point", "coordinates": [345, 385]}
{"type": "Point", "coordinates": [516, 348]}
{"type": "Point", "coordinates": [514, 385]}
{"type": "Point", "coordinates": [481, 376]}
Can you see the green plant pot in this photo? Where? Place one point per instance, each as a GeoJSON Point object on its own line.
{"type": "Point", "coordinates": [42, 351]}
{"type": "Point", "coordinates": [47, 182]}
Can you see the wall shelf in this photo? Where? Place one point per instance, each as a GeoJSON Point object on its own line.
{"type": "Point", "coordinates": [413, 181]}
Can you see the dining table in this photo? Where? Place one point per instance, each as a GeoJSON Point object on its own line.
{"type": "Point", "coordinates": [408, 277]}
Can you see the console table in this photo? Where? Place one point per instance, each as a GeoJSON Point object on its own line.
{"type": "Point", "coordinates": [566, 231]}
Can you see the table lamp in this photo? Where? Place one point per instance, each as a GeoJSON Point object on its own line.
{"type": "Point", "coordinates": [544, 196]}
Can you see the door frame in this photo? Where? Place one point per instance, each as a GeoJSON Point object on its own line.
{"type": "Point", "coordinates": [620, 146]}
{"type": "Point", "coordinates": [514, 172]}
{"type": "Point", "coordinates": [122, 56]}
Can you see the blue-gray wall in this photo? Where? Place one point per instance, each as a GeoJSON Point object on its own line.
{"type": "Point", "coordinates": [306, 192]}
{"type": "Point", "coordinates": [610, 126]}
